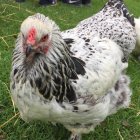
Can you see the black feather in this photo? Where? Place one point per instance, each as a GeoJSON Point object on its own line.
{"type": "Point", "coordinates": [38, 82]}
{"type": "Point", "coordinates": [68, 41]}
{"type": "Point", "coordinates": [71, 96]}
{"type": "Point", "coordinates": [15, 71]}
{"type": "Point", "coordinates": [79, 65]}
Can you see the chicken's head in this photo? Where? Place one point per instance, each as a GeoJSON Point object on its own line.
{"type": "Point", "coordinates": [36, 36]}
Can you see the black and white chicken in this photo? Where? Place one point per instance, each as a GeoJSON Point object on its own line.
{"type": "Point", "coordinates": [73, 77]}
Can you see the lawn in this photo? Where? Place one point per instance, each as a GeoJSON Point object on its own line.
{"type": "Point", "coordinates": [124, 125]}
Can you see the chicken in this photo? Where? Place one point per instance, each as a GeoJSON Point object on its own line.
{"type": "Point", "coordinates": [75, 77]}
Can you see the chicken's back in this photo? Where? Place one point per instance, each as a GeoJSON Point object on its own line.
{"type": "Point", "coordinates": [113, 22]}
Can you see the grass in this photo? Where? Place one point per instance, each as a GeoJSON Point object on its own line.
{"type": "Point", "coordinates": [125, 125]}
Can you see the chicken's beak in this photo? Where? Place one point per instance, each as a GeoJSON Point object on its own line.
{"type": "Point", "coordinates": [29, 50]}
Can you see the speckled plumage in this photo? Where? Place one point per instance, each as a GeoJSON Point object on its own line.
{"type": "Point", "coordinates": [113, 22]}
{"type": "Point", "coordinates": [80, 80]}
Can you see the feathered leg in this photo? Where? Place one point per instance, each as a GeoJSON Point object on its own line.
{"type": "Point", "coordinates": [75, 136]}
{"type": "Point", "coordinates": [120, 95]}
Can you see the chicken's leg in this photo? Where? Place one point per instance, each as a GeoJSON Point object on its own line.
{"type": "Point", "coordinates": [75, 136]}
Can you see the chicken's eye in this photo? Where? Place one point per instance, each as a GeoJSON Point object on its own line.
{"type": "Point", "coordinates": [44, 38]}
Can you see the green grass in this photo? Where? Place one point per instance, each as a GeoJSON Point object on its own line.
{"type": "Point", "coordinates": [125, 125]}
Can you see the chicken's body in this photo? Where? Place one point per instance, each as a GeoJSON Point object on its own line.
{"type": "Point", "coordinates": [72, 78]}
{"type": "Point", "coordinates": [93, 100]}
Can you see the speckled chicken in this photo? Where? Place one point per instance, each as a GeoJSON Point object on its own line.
{"type": "Point", "coordinates": [74, 77]}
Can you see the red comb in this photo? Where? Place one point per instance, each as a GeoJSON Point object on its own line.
{"type": "Point", "coordinates": [31, 36]}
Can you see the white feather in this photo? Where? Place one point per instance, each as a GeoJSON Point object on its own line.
{"type": "Point", "coordinates": [137, 28]}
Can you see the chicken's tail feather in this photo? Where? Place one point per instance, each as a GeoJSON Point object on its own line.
{"type": "Point", "coordinates": [119, 4]}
